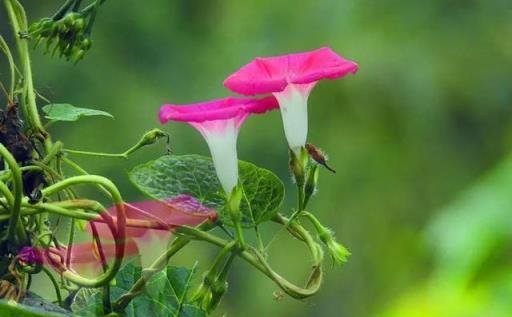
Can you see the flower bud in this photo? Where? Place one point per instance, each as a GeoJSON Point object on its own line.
{"type": "Point", "coordinates": [86, 44]}
{"type": "Point", "coordinates": [337, 251]}
{"type": "Point", "coordinates": [311, 183]}
{"type": "Point", "coordinates": [218, 290]}
{"type": "Point", "coordinates": [203, 295]}
{"type": "Point", "coordinates": [78, 55]}
{"type": "Point", "coordinates": [70, 18]}
{"type": "Point", "coordinates": [30, 256]}
{"type": "Point", "coordinates": [62, 27]}
{"type": "Point", "coordinates": [152, 137]}
{"type": "Point", "coordinates": [79, 24]}
{"type": "Point", "coordinates": [317, 155]}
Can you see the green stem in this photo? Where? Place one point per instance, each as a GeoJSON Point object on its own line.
{"type": "Point", "coordinates": [19, 24]}
{"type": "Point", "coordinates": [54, 283]}
{"type": "Point", "coordinates": [119, 155]}
{"type": "Point", "coordinates": [81, 171]}
{"type": "Point", "coordinates": [148, 138]}
{"type": "Point", "coordinates": [10, 60]}
{"type": "Point", "coordinates": [261, 246]}
{"type": "Point", "coordinates": [77, 4]}
{"type": "Point", "coordinates": [8, 174]}
{"type": "Point", "coordinates": [314, 221]}
{"type": "Point", "coordinates": [119, 234]}
{"type": "Point", "coordinates": [239, 233]}
{"type": "Point", "coordinates": [7, 193]}
{"type": "Point", "coordinates": [258, 261]}
{"type": "Point", "coordinates": [218, 261]}
{"type": "Point", "coordinates": [14, 223]}
{"type": "Point", "coordinates": [52, 153]}
{"type": "Point", "coordinates": [92, 6]}
{"type": "Point", "coordinates": [300, 197]}
{"type": "Point", "coordinates": [63, 10]}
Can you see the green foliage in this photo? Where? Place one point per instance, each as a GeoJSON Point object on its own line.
{"type": "Point", "coordinates": [466, 238]}
{"type": "Point", "coordinates": [18, 310]}
{"type": "Point", "coordinates": [468, 231]}
{"type": "Point", "coordinates": [67, 112]}
{"type": "Point", "coordinates": [194, 175]}
{"type": "Point", "coordinates": [166, 294]}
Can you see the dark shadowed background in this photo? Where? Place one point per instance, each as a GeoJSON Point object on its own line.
{"type": "Point", "coordinates": [420, 137]}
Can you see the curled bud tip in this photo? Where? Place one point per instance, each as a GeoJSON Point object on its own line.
{"type": "Point", "coordinates": [338, 252]}
{"type": "Point", "coordinates": [317, 155]}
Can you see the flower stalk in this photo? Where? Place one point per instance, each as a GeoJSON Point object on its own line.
{"type": "Point", "coordinates": [337, 251]}
{"type": "Point", "coordinates": [233, 205]}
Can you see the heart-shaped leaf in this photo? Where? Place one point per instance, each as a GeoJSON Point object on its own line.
{"type": "Point", "coordinates": [166, 294]}
{"type": "Point", "coordinates": [67, 112]}
{"type": "Point", "coordinates": [170, 176]}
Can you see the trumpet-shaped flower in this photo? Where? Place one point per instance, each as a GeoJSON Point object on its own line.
{"type": "Point", "coordinates": [151, 223]}
{"type": "Point", "coordinates": [290, 78]}
{"type": "Point", "coordinates": [159, 216]}
{"type": "Point", "coordinates": [84, 256]}
{"type": "Point", "coordinates": [149, 226]}
{"type": "Point", "coordinates": [219, 121]}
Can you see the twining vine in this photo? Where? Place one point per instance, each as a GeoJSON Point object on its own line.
{"type": "Point", "coordinates": [36, 194]}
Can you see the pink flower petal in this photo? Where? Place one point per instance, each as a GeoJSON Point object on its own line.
{"type": "Point", "coordinates": [87, 252]}
{"type": "Point", "coordinates": [272, 74]}
{"type": "Point", "coordinates": [82, 255]}
{"type": "Point", "coordinates": [220, 109]}
{"type": "Point", "coordinates": [169, 213]}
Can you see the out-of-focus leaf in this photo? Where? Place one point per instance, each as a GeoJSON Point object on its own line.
{"type": "Point", "coordinates": [165, 294]}
{"type": "Point", "coordinates": [19, 310]}
{"type": "Point", "coordinates": [67, 112]}
{"type": "Point", "coordinates": [170, 176]}
{"type": "Point", "coordinates": [469, 229]}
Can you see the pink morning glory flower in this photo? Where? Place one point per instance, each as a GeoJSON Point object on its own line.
{"type": "Point", "coordinates": [290, 79]}
{"type": "Point", "coordinates": [84, 256]}
{"type": "Point", "coordinates": [163, 215]}
{"type": "Point", "coordinates": [219, 121]}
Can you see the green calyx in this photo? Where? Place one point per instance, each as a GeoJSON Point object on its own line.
{"type": "Point", "coordinates": [299, 165]}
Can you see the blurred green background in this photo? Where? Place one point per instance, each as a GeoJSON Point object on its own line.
{"type": "Point", "coordinates": [420, 137]}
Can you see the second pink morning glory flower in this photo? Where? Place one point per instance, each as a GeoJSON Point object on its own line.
{"type": "Point", "coordinates": [290, 79]}
{"type": "Point", "coordinates": [219, 121]}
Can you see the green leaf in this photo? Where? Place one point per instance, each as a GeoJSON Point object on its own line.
{"type": "Point", "coordinates": [165, 295]}
{"type": "Point", "coordinates": [18, 310]}
{"type": "Point", "coordinates": [82, 298]}
{"type": "Point", "coordinates": [67, 112]}
{"type": "Point", "coordinates": [194, 175]}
